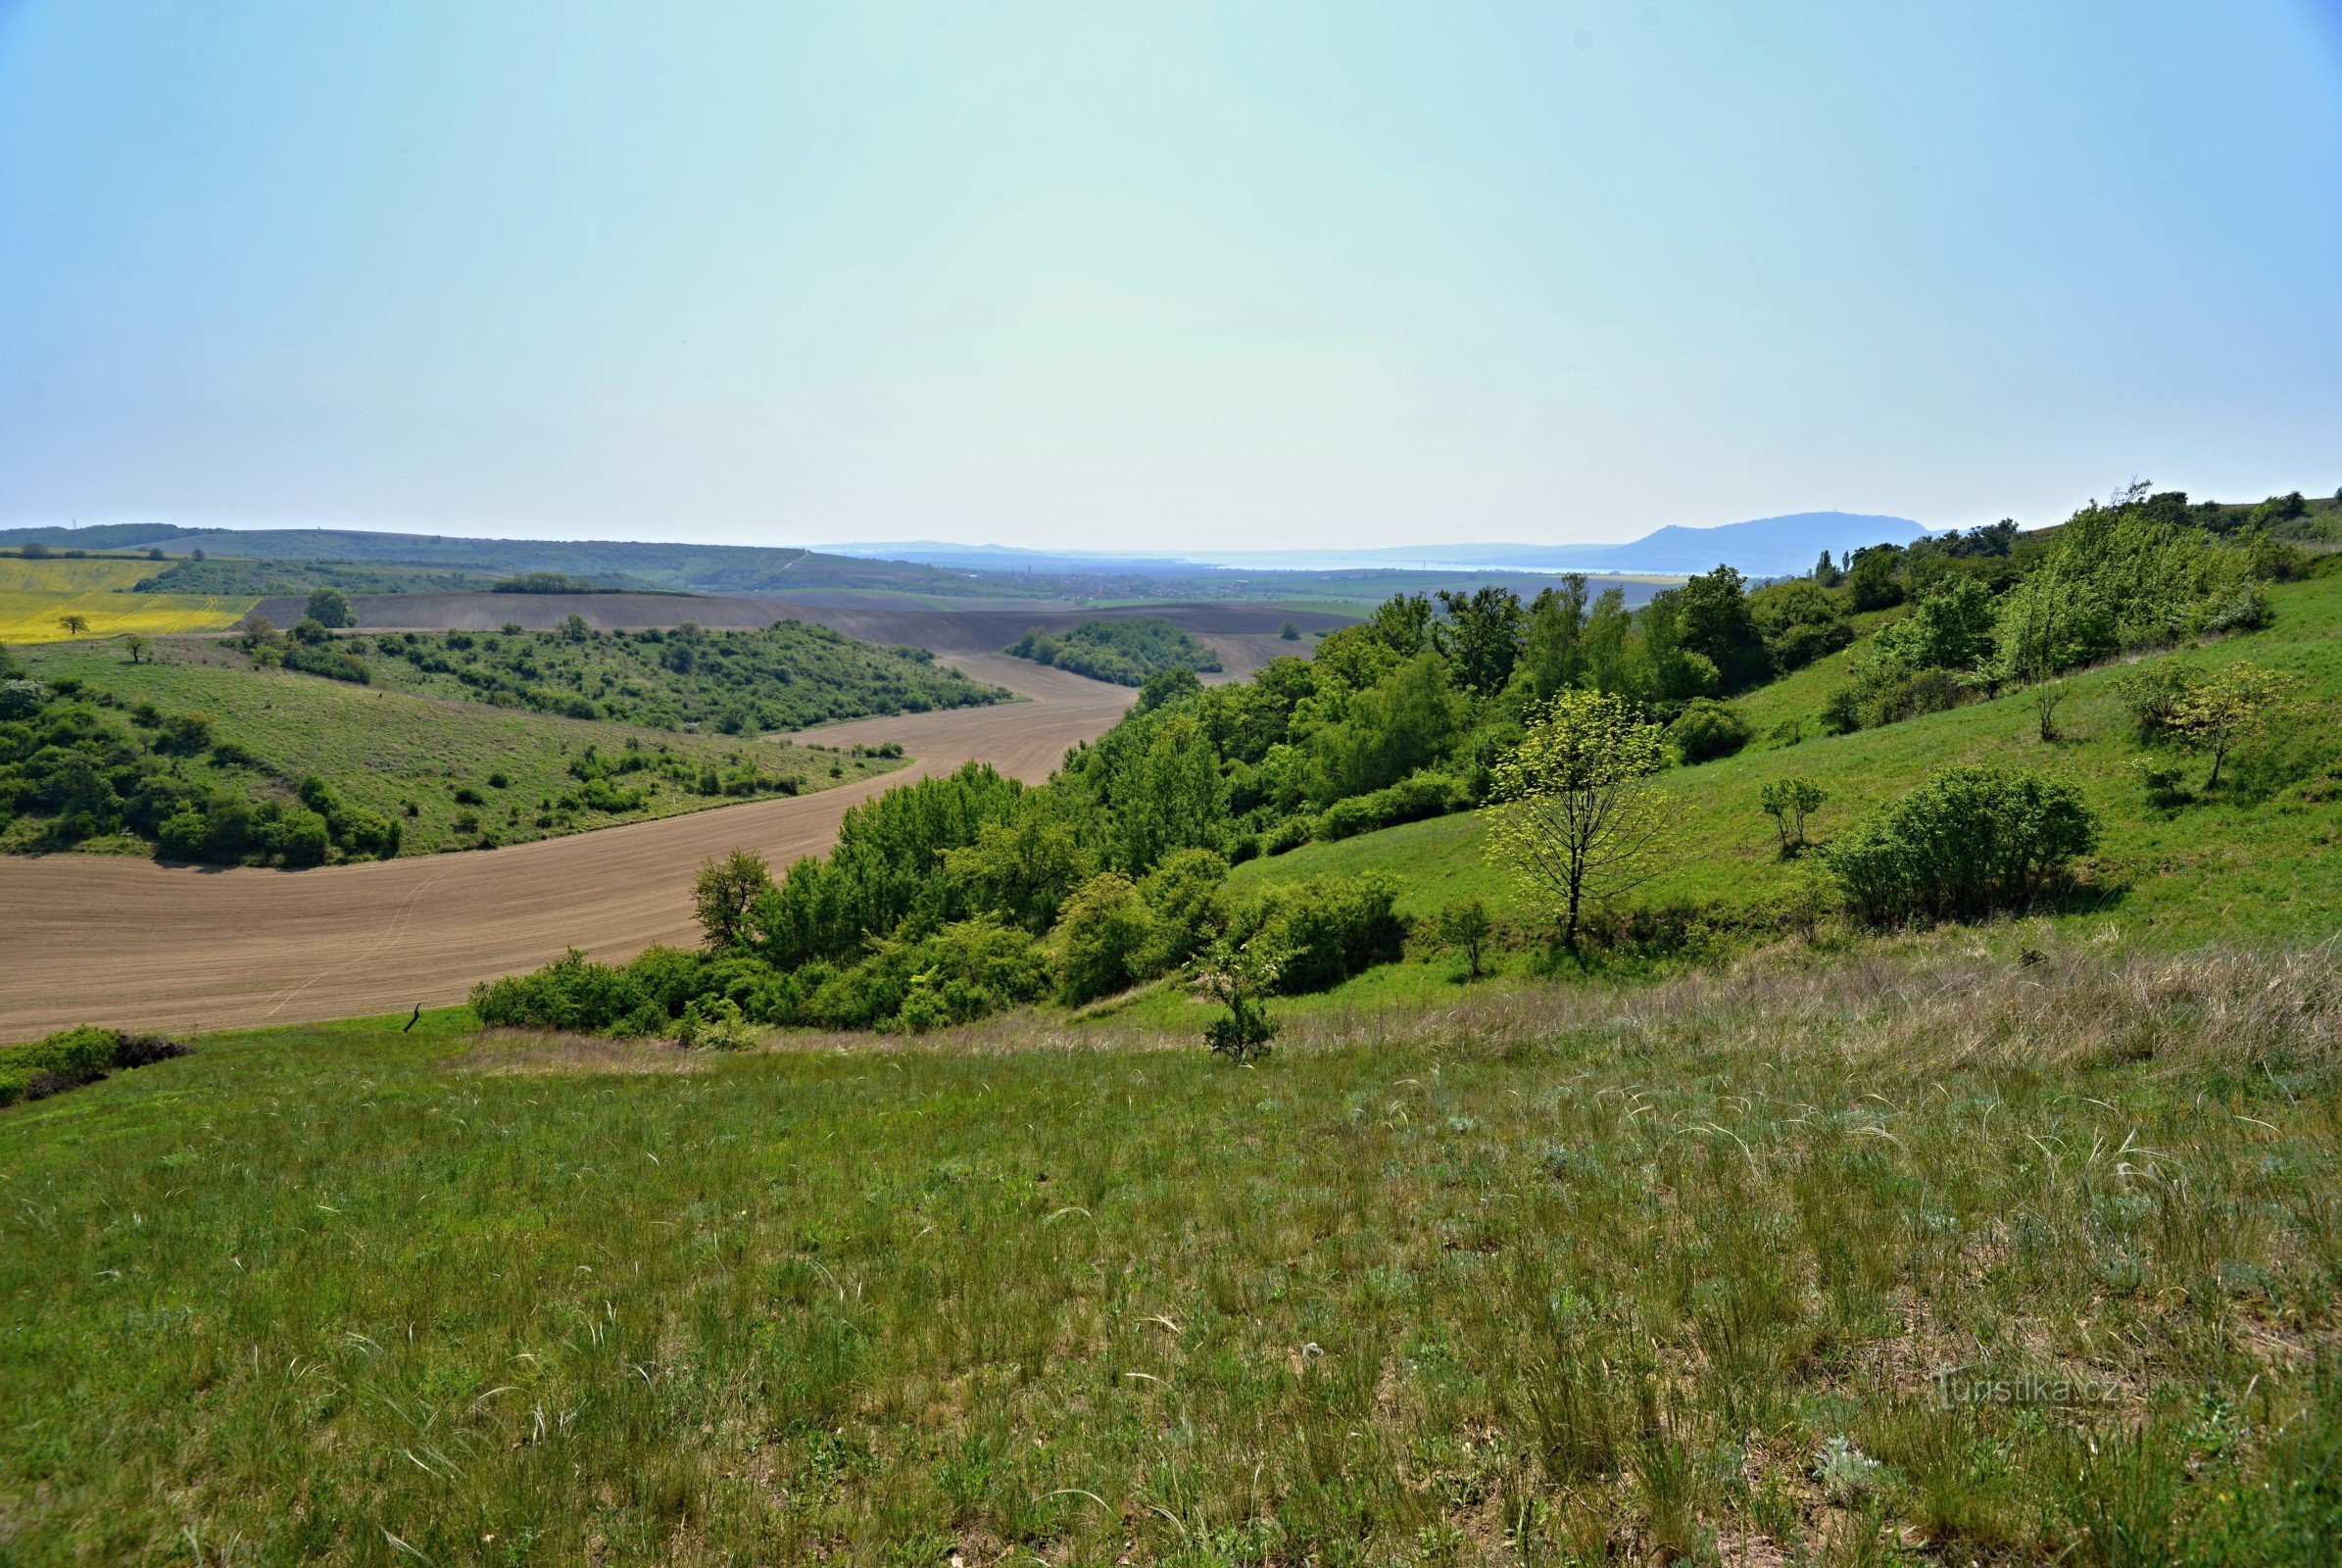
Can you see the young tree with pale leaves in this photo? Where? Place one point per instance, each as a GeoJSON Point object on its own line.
{"type": "Point", "coordinates": [1577, 818]}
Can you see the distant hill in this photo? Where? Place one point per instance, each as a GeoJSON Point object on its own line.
{"type": "Point", "coordinates": [1763, 547]}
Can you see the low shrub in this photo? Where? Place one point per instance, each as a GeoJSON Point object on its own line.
{"type": "Point", "coordinates": [1326, 929]}
{"type": "Point", "coordinates": [72, 1058]}
{"type": "Point", "coordinates": [1970, 841]}
{"type": "Point", "coordinates": [1707, 729]}
{"type": "Point", "coordinates": [571, 992]}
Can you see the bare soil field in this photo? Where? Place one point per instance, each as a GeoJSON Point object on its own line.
{"type": "Point", "coordinates": [135, 945]}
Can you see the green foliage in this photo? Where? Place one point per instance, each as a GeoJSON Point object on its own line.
{"type": "Point", "coordinates": [1466, 925]}
{"type": "Point", "coordinates": [1790, 802]}
{"type": "Point", "coordinates": [714, 1023]}
{"type": "Point", "coordinates": [572, 992]}
{"type": "Point", "coordinates": [1324, 930]}
{"type": "Point", "coordinates": [1707, 729]}
{"type": "Point", "coordinates": [2229, 708]}
{"type": "Point", "coordinates": [724, 898]}
{"type": "Point", "coordinates": [1105, 934]}
{"type": "Point", "coordinates": [330, 608]}
{"type": "Point", "coordinates": [1125, 651]}
{"type": "Point", "coordinates": [780, 677]}
{"type": "Point", "coordinates": [61, 1060]}
{"type": "Point", "coordinates": [1970, 841]}
{"type": "Point", "coordinates": [1575, 817]}
{"type": "Point", "coordinates": [1239, 978]}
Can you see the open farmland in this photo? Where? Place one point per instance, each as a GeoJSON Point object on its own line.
{"type": "Point", "coordinates": [38, 617]}
{"type": "Point", "coordinates": [62, 574]}
{"type": "Point", "coordinates": [150, 946]}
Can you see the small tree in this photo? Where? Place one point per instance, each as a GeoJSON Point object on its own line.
{"type": "Point", "coordinates": [727, 890]}
{"type": "Point", "coordinates": [1238, 978]}
{"type": "Point", "coordinates": [331, 606]}
{"type": "Point", "coordinates": [1465, 925]}
{"type": "Point", "coordinates": [136, 646]}
{"type": "Point", "coordinates": [1576, 816]}
{"type": "Point", "coordinates": [2047, 696]}
{"type": "Point", "coordinates": [1788, 800]}
{"type": "Point", "coordinates": [1290, 633]}
{"type": "Point", "coordinates": [75, 626]}
{"type": "Point", "coordinates": [2229, 708]}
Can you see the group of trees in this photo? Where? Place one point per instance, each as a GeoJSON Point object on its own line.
{"type": "Point", "coordinates": [1124, 652]}
{"type": "Point", "coordinates": [75, 764]}
{"type": "Point", "coordinates": [779, 678]}
{"type": "Point", "coordinates": [1993, 608]}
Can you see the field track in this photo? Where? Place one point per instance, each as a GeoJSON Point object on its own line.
{"type": "Point", "coordinates": [89, 939]}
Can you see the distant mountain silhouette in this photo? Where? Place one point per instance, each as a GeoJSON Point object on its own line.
{"type": "Point", "coordinates": [1763, 547]}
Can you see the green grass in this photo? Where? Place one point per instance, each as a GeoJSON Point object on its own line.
{"type": "Point", "coordinates": [2026, 1263]}
{"type": "Point", "coordinates": [2256, 861]}
{"type": "Point", "coordinates": [386, 750]}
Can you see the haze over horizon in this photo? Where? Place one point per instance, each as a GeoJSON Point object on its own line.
{"type": "Point", "coordinates": [1165, 281]}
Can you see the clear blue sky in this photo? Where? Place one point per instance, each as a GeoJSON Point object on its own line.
{"type": "Point", "coordinates": [1253, 274]}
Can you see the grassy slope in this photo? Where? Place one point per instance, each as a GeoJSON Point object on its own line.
{"type": "Point", "coordinates": [2237, 867]}
{"type": "Point", "coordinates": [1550, 1277]}
{"type": "Point", "coordinates": [383, 750]}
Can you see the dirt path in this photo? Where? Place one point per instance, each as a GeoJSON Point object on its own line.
{"type": "Point", "coordinates": [85, 939]}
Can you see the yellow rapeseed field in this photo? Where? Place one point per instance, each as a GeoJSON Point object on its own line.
{"type": "Point", "coordinates": [73, 576]}
{"type": "Point", "coordinates": [39, 617]}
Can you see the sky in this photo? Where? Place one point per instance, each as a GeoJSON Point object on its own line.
{"type": "Point", "coordinates": [1193, 275]}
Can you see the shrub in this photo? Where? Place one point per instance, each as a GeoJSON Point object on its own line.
{"type": "Point", "coordinates": [2152, 694]}
{"type": "Point", "coordinates": [1326, 929]}
{"type": "Point", "coordinates": [1239, 978]}
{"type": "Point", "coordinates": [184, 836]}
{"type": "Point", "coordinates": [1706, 729]}
{"type": "Point", "coordinates": [1104, 929]}
{"type": "Point", "coordinates": [1187, 896]}
{"type": "Point", "coordinates": [571, 992]}
{"type": "Point", "coordinates": [61, 1060]}
{"type": "Point", "coordinates": [1968, 841]}
{"type": "Point", "coordinates": [1788, 801]}
{"type": "Point", "coordinates": [714, 1023]}
{"type": "Point", "coordinates": [1465, 926]}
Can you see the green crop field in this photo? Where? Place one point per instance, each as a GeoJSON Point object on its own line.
{"type": "Point", "coordinates": [385, 750]}
{"type": "Point", "coordinates": [1924, 1256]}
{"type": "Point", "coordinates": [2260, 863]}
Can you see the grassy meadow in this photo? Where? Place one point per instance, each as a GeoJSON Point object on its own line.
{"type": "Point", "coordinates": [2256, 860]}
{"type": "Point", "coordinates": [387, 750]}
{"type": "Point", "coordinates": [1927, 1253]}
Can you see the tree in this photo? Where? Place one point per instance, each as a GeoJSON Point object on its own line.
{"type": "Point", "coordinates": [1714, 621]}
{"type": "Point", "coordinates": [1104, 929]}
{"type": "Point", "coordinates": [1577, 818]}
{"type": "Point", "coordinates": [727, 891]}
{"type": "Point", "coordinates": [1238, 978]}
{"type": "Point", "coordinates": [136, 646]}
{"type": "Point", "coordinates": [2229, 707]}
{"type": "Point", "coordinates": [1465, 925]}
{"type": "Point", "coordinates": [1290, 633]}
{"type": "Point", "coordinates": [75, 626]}
{"type": "Point", "coordinates": [1552, 657]}
{"type": "Point", "coordinates": [1481, 637]}
{"type": "Point", "coordinates": [574, 628]}
{"type": "Point", "coordinates": [331, 606]}
{"type": "Point", "coordinates": [1788, 800]}
{"type": "Point", "coordinates": [1166, 687]}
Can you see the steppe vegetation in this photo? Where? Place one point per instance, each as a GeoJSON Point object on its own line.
{"type": "Point", "coordinates": [785, 676]}
{"type": "Point", "coordinates": [189, 754]}
{"type": "Point", "coordinates": [1945, 1251]}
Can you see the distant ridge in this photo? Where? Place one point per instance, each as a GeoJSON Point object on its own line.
{"type": "Point", "coordinates": [1762, 547]}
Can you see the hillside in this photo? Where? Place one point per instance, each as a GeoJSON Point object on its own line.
{"type": "Point", "coordinates": [446, 775]}
{"type": "Point", "coordinates": [2256, 864]}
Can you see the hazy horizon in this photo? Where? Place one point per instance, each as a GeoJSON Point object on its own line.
{"type": "Point", "coordinates": [1166, 281]}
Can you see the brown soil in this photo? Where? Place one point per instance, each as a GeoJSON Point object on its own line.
{"type": "Point", "coordinates": [88, 939]}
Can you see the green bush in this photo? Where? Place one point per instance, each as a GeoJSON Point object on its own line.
{"type": "Point", "coordinates": [61, 1060]}
{"type": "Point", "coordinates": [1970, 841]}
{"type": "Point", "coordinates": [1325, 929]}
{"type": "Point", "coordinates": [1103, 934]}
{"type": "Point", "coordinates": [1707, 729]}
{"type": "Point", "coordinates": [714, 1023]}
{"type": "Point", "coordinates": [571, 992]}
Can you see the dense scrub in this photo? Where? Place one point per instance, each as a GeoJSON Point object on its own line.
{"type": "Point", "coordinates": [784, 677]}
{"type": "Point", "coordinates": [1124, 652]}
{"type": "Point", "coordinates": [72, 1057]}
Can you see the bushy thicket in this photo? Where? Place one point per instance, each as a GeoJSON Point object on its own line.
{"type": "Point", "coordinates": [779, 678]}
{"type": "Point", "coordinates": [1124, 652]}
{"type": "Point", "coordinates": [77, 766]}
{"type": "Point", "coordinates": [72, 1058]}
{"type": "Point", "coordinates": [1969, 841]}
{"type": "Point", "coordinates": [1995, 607]}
